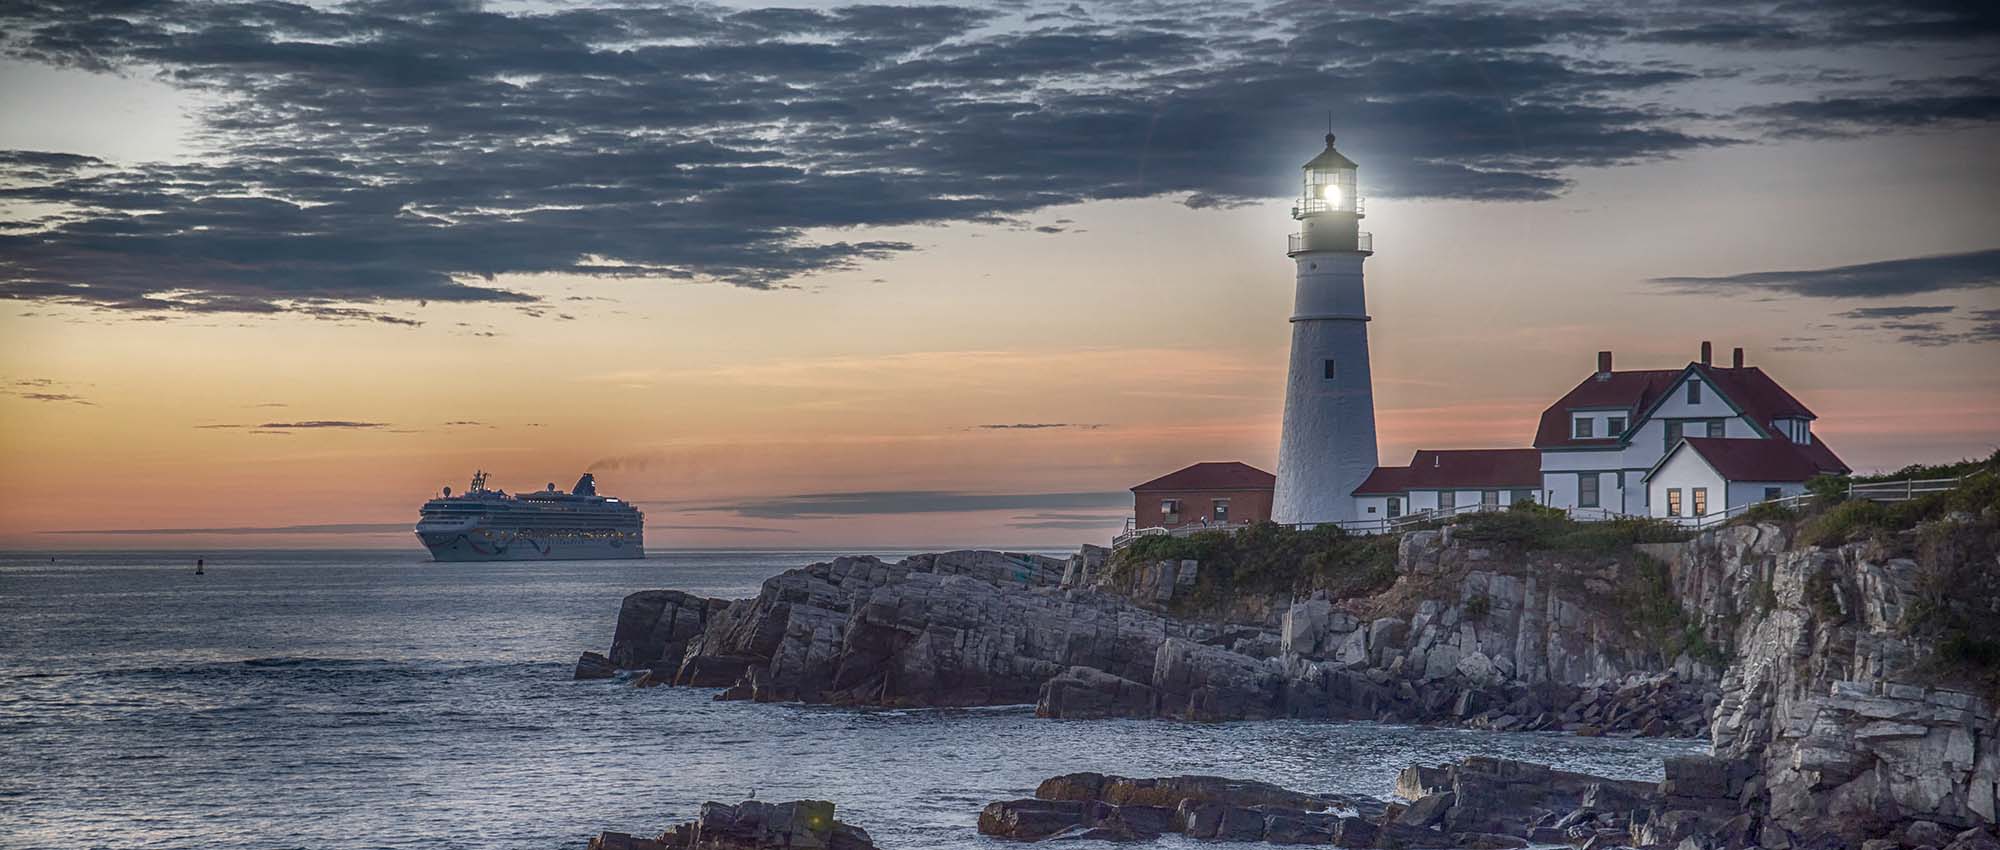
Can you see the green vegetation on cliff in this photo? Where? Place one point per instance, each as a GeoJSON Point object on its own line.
{"type": "Point", "coordinates": [1833, 519]}
{"type": "Point", "coordinates": [1538, 529]}
{"type": "Point", "coordinates": [1266, 560]}
{"type": "Point", "coordinates": [1957, 598]}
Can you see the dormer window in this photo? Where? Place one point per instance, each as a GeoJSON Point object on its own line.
{"type": "Point", "coordinates": [1583, 428]}
{"type": "Point", "coordinates": [1797, 430]}
{"type": "Point", "coordinates": [1614, 426]}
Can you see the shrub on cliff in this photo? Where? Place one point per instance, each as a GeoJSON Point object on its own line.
{"type": "Point", "coordinates": [1269, 559]}
{"type": "Point", "coordinates": [1842, 522]}
{"type": "Point", "coordinates": [1536, 528]}
{"type": "Point", "coordinates": [1956, 599]}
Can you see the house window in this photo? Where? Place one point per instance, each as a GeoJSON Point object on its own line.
{"type": "Point", "coordinates": [1489, 499]}
{"type": "Point", "coordinates": [1395, 506]}
{"type": "Point", "coordinates": [1170, 511]}
{"type": "Point", "coordinates": [1583, 428]}
{"type": "Point", "coordinates": [1772, 494]}
{"type": "Point", "coordinates": [1673, 433]}
{"type": "Point", "coordinates": [1614, 426]}
{"type": "Point", "coordinates": [1371, 509]}
{"type": "Point", "coordinates": [1329, 370]}
{"type": "Point", "coordinates": [1700, 501]}
{"type": "Point", "coordinates": [1586, 489]}
{"type": "Point", "coordinates": [1673, 501]}
{"type": "Point", "coordinates": [1694, 392]}
{"type": "Point", "coordinates": [1715, 427]}
{"type": "Point", "coordinates": [1221, 513]}
{"type": "Point", "coordinates": [1523, 496]}
{"type": "Point", "coordinates": [1447, 499]}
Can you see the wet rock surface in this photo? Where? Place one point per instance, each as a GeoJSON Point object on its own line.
{"type": "Point", "coordinates": [1829, 729]}
{"type": "Point", "coordinates": [1095, 805]}
{"type": "Point", "coordinates": [750, 825]}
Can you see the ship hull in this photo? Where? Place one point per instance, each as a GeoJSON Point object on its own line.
{"type": "Point", "coordinates": [462, 548]}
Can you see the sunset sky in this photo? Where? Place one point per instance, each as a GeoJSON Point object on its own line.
{"type": "Point", "coordinates": [933, 275]}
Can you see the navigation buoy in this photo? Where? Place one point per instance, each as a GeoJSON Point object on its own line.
{"type": "Point", "coordinates": [198, 563]}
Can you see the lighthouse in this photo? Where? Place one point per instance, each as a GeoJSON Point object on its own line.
{"type": "Point", "coordinates": [1328, 444]}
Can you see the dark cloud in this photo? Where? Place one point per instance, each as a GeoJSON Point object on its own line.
{"type": "Point", "coordinates": [1036, 426]}
{"type": "Point", "coordinates": [891, 502]}
{"type": "Point", "coordinates": [42, 389]}
{"type": "Point", "coordinates": [323, 528]}
{"type": "Point", "coordinates": [362, 156]}
{"type": "Point", "coordinates": [321, 423]}
{"type": "Point", "coordinates": [741, 529]}
{"type": "Point", "coordinates": [1886, 278]}
{"type": "Point", "coordinates": [1906, 312]}
{"type": "Point", "coordinates": [53, 397]}
{"type": "Point", "coordinates": [1069, 521]}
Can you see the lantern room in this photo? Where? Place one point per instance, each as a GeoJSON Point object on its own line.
{"type": "Point", "coordinates": [1329, 206]}
{"type": "Point", "coordinates": [1329, 185]}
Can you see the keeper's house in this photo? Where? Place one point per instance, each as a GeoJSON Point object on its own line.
{"type": "Point", "coordinates": [1676, 444]}
{"type": "Point", "coordinates": [1681, 443]}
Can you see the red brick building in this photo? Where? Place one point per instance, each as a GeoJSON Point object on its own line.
{"type": "Point", "coordinates": [1224, 493]}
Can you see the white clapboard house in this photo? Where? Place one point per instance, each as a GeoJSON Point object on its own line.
{"type": "Point", "coordinates": [1672, 443]}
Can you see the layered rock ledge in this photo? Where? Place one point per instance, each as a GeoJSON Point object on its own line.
{"type": "Point", "coordinates": [750, 825]}
{"type": "Point", "coordinates": [1476, 647]}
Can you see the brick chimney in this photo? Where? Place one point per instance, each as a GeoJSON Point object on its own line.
{"type": "Point", "coordinates": [1604, 365]}
{"type": "Point", "coordinates": [1707, 352]}
{"type": "Point", "coordinates": [1736, 359]}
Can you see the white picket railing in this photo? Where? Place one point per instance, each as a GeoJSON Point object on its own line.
{"type": "Point", "coordinates": [1877, 491]}
{"type": "Point", "coordinates": [1874, 491]}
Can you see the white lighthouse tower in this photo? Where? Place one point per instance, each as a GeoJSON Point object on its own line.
{"type": "Point", "coordinates": [1328, 445]}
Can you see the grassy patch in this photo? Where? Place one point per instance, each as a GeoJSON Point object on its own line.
{"type": "Point", "coordinates": [1646, 597]}
{"type": "Point", "coordinates": [1768, 512]}
{"type": "Point", "coordinates": [1834, 522]}
{"type": "Point", "coordinates": [1478, 607]}
{"type": "Point", "coordinates": [1956, 600]}
{"type": "Point", "coordinates": [1269, 560]}
{"type": "Point", "coordinates": [1535, 528]}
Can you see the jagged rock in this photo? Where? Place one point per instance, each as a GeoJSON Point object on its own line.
{"type": "Point", "coordinates": [1033, 820]}
{"type": "Point", "coordinates": [655, 626]}
{"type": "Point", "coordinates": [1079, 805]}
{"type": "Point", "coordinates": [750, 825]}
{"type": "Point", "coordinates": [623, 841]}
{"type": "Point", "coordinates": [1429, 810]}
{"type": "Point", "coordinates": [1487, 841]}
{"type": "Point", "coordinates": [593, 665]}
{"type": "Point", "coordinates": [1196, 682]}
{"type": "Point", "coordinates": [1089, 693]}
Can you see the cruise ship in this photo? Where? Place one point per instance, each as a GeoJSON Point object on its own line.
{"type": "Point", "coordinates": [490, 525]}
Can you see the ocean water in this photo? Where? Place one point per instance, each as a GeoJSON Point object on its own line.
{"type": "Point", "coordinates": [376, 700]}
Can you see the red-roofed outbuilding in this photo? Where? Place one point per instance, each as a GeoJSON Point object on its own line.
{"type": "Point", "coordinates": [1215, 493]}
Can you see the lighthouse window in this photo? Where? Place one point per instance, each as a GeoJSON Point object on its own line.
{"type": "Point", "coordinates": [1329, 370]}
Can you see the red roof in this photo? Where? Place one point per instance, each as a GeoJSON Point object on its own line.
{"type": "Point", "coordinates": [1466, 469]}
{"type": "Point", "coordinates": [1224, 475]}
{"type": "Point", "coordinates": [1760, 398]}
{"type": "Point", "coordinates": [1759, 460]}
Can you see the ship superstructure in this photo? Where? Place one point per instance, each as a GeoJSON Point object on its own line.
{"type": "Point", "coordinates": [491, 525]}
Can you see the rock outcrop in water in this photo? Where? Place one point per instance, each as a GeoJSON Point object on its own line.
{"type": "Point", "coordinates": [750, 825]}
{"type": "Point", "coordinates": [1115, 808]}
{"type": "Point", "coordinates": [984, 628]}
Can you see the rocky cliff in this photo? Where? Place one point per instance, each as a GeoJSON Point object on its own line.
{"type": "Point", "coordinates": [1844, 676]}
{"type": "Point", "coordinates": [1844, 712]}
